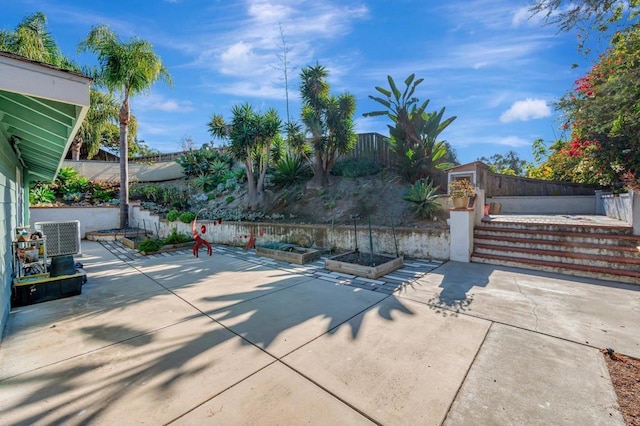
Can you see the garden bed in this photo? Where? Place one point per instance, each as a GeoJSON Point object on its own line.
{"type": "Point", "coordinates": [118, 235]}
{"type": "Point", "coordinates": [364, 264]}
{"type": "Point", "coordinates": [297, 255]}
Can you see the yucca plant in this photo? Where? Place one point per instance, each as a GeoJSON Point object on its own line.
{"type": "Point", "coordinates": [423, 196]}
{"type": "Point", "coordinates": [291, 169]}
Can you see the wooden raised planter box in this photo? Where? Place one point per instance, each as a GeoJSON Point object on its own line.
{"type": "Point", "coordinates": [299, 255]}
{"type": "Point", "coordinates": [389, 265]}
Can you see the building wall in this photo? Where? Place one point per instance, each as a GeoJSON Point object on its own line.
{"type": "Point", "coordinates": [91, 218]}
{"type": "Point", "coordinates": [8, 222]}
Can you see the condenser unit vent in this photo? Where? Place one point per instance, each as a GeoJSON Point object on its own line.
{"type": "Point", "coordinates": [63, 238]}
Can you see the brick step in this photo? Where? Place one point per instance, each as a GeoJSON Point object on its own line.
{"type": "Point", "coordinates": [600, 249]}
{"type": "Point", "coordinates": [567, 258]}
{"type": "Point", "coordinates": [560, 227]}
{"type": "Point", "coordinates": [632, 277]}
{"type": "Point", "coordinates": [577, 237]}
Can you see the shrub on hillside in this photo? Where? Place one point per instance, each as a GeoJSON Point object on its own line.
{"type": "Point", "coordinates": [187, 217]}
{"type": "Point", "coordinates": [353, 167]}
{"type": "Point", "coordinates": [173, 215]}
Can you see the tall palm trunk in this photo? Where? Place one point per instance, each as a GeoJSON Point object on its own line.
{"type": "Point", "coordinates": [124, 162]}
{"type": "Point", "coordinates": [75, 148]}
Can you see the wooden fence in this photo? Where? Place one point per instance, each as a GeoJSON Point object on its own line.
{"type": "Point", "coordinates": [497, 185]}
{"type": "Point", "coordinates": [372, 147]}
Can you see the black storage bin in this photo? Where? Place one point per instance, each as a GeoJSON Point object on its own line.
{"type": "Point", "coordinates": [50, 289]}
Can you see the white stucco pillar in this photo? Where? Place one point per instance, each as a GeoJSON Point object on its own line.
{"type": "Point", "coordinates": [461, 223]}
{"type": "Point", "coordinates": [635, 211]}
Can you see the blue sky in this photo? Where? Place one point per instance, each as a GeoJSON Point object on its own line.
{"type": "Point", "coordinates": [484, 60]}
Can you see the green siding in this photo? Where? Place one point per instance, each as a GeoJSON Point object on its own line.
{"type": "Point", "coordinates": [8, 223]}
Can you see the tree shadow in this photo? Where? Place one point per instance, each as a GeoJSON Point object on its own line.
{"type": "Point", "coordinates": [456, 296]}
{"type": "Point", "coordinates": [135, 362]}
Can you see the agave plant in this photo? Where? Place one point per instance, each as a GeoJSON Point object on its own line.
{"type": "Point", "coordinates": [41, 195]}
{"type": "Point", "coordinates": [423, 196]}
{"type": "Point", "coordinates": [291, 169]}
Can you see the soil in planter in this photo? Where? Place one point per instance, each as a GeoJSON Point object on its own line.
{"type": "Point", "coordinates": [363, 259]}
{"type": "Point", "coordinates": [120, 231]}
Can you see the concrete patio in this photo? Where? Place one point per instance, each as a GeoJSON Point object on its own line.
{"type": "Point", "coordinates": [225, 340]}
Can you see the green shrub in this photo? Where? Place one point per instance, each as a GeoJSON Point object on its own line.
{"type": "Point", "coordinates": [422, 195]}
{"type": "Point", "coordinates": [66, 173]}
{"type": "Point", "coordinates": [205, 182]}
{"type": "Point", "coordinates": [211, 197]}
{"type": "Point", "coordinates": [41, 195]}
{"type": "Point", "coordinates": [291, 169]}
{"type": "Point", "coordinates": [176, 237]}
{"type": "Point", "coordinates": [102, 195]}
{"type": "Point", "coordinates": [201, 161]}
{"type": "Point", "coordinates": [353, 167]}
{"type": "Point", "coordinates": [151, 245]}
{"type": "Point", "coordinates": [187, 217]}
{"type": "Point", "coordinates": [173, 215]}
{"type": "Point", "coordinates": [239, 173]}
{"type": "Point", "coordinates": [229, 199]}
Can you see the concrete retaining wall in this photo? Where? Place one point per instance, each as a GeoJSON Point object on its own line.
{"type": "Point", "coordinates": [91, 218]}
{"type": "Point", "coordinates": [412, 242]}
{"type": "Point", "coordinates": [138, 172]}
{"type": "Point", "coordinates": [569, 204]}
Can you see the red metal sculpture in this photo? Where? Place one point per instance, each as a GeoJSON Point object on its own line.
{"type": "Point", "coordinates": [199, 240]}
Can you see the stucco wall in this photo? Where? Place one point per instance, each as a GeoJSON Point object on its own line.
{"type": "Point", "coordinates": [91, 218]}
{"type": "Point", "coordinates": [110, 172]}
{"type": "Point", "coordinates": [618, 206]}
{"type": "Point", "coordinates": [8, 223]}
{"type": "Point", "coordinates": [570, 204]}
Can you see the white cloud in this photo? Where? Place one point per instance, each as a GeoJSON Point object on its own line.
{"type": "Point", "coordinates": [513, 141]}
{"type": "Point", "coordinates": [528, 109]}
{"type": "Point", "coordinates": [156, 102]}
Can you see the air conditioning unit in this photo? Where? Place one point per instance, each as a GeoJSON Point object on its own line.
{"type": "Point", "coordinates": [63, 238]}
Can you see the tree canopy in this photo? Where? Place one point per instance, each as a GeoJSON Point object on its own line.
{"type": "Point", "coordinates": [31, 39]}
{"type": "Point", "coordinates": [602, 111]}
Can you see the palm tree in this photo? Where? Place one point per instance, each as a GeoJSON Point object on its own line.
{"type": "Point", "coordinates": [32, 40]}
{"type": "Point", "coordinates": [102, 114]}
{"type": "Point", "coordinates": [127, 68]}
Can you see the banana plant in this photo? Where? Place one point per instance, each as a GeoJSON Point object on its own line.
{"type": "Point", "coordinates": [414, 132]}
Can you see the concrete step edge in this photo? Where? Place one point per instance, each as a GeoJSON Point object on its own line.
{"type": "Point", "coordinates": [560, 244]}
{"type": "Point", "coordinates": [535, 264]}
{"type": "Point", "coordinates": [561, 257]}
{"type": "Point", "coordinates": [559, 233]}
